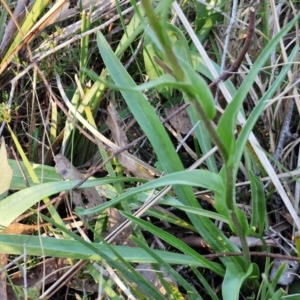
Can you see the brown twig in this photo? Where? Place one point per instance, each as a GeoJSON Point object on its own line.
{"type": "Point", "coordinates": [163, 66]}
{"type": "Point", "coordinates": [236, 64]}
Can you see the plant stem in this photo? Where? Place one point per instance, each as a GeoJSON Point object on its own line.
{"type": "Point", "coordinates": [163, 39]}
{"type": "Point", "coordinates": [209, 127]}
{"type": "Point", "coordinates": [234, 217]}
{"type": "Point", "coordinates": [229, 176]}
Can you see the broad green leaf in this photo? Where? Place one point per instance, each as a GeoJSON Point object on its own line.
{"type": "Point", "coordinates": [207, 17]}
{"type": "Point", "coordinates": [221, 205]}
{"type": "Point", "coordinates": [180, 44]}
{"type": "Point", "coordinates": [199, 90]}
{"type": "Point", "coordinates": [200, 66]}
{"type": "Point", "coordinates": [33, 176]}
{"type": "Point", "coordinates": [242, 221]}
{"type": "Point", "coordinates": [44, 173]}
{"type": "Point", "coordinates": [141, 109]}
{"type": "Point", "coordinates": [274, 283]}
{"type": "Point", "coordinates": [233, 281]}
{"type": "Point", "coordinates": [153, 71]}
{"type": "Point", "coordinates": [280, 293]}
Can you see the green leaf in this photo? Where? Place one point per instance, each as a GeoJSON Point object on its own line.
{"type": "Point", "coordinates": [200, 178]}
{"type": "Point", "coordinates": [233, 281]}
{"type": "Point", "coordinates": [278, 295]}
{"type": "Point", "coordinates": [153, 71]}
{"type": "Point", "coordinates": [258, 109]}
{"type": "Point", "coordinates": [44, 174]}
{"type": "Point", "coordinates": [207, 17]}
{"type": "Point", "coordinates": [141, 109]}
{"type": "Point", "coordinates": [271, 294]}
{"type": "Point", "coordinates": [198, 89]}
{"type": "Point", "coordinates": [258, 204]}
{"type": "Point", "coordinates": [40, 246]}
{"type": "Point", "coordinates": [243, 221]}
{"type": "Point", "coordinates": [14, 205]}
{"type": "Point", "coordinates": [220, 201]}
{"type": "Point", "coordinates": [170, 239]}
{"type": "Point", "coordinates": [203, 212]}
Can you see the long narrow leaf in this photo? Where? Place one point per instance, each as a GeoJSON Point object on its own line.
{"type": "Point", "coordinates": [14, 205]}
{"type": "Point", "coordinates": [256, 113]}
{"type": "Point", "coordinates": [167, 237]}
{"type": "Point", "coordinates": [14, 244]}
{"type": "Point", "coordinates": [200, 178]}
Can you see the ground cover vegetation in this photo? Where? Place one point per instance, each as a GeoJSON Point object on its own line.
{"type": "Point", "coordinates": [149, 150]}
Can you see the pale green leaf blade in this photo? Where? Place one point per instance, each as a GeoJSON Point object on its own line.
{"type": "Point", "coordinates": [6, 170]}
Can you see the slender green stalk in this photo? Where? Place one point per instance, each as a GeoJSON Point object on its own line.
{"type": "Point", "coordinates": [163, 39]}
{"type": "Point", "coordinates": [209, 127]}
{"type": "Point", "coordinates": [229, 180]}
{"type": "Point", "coordinates": [265, 25]}
{"type": "Point", "coordinates": [265, 21]}
{"type": "Point", "coordinates": [85, 25]}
